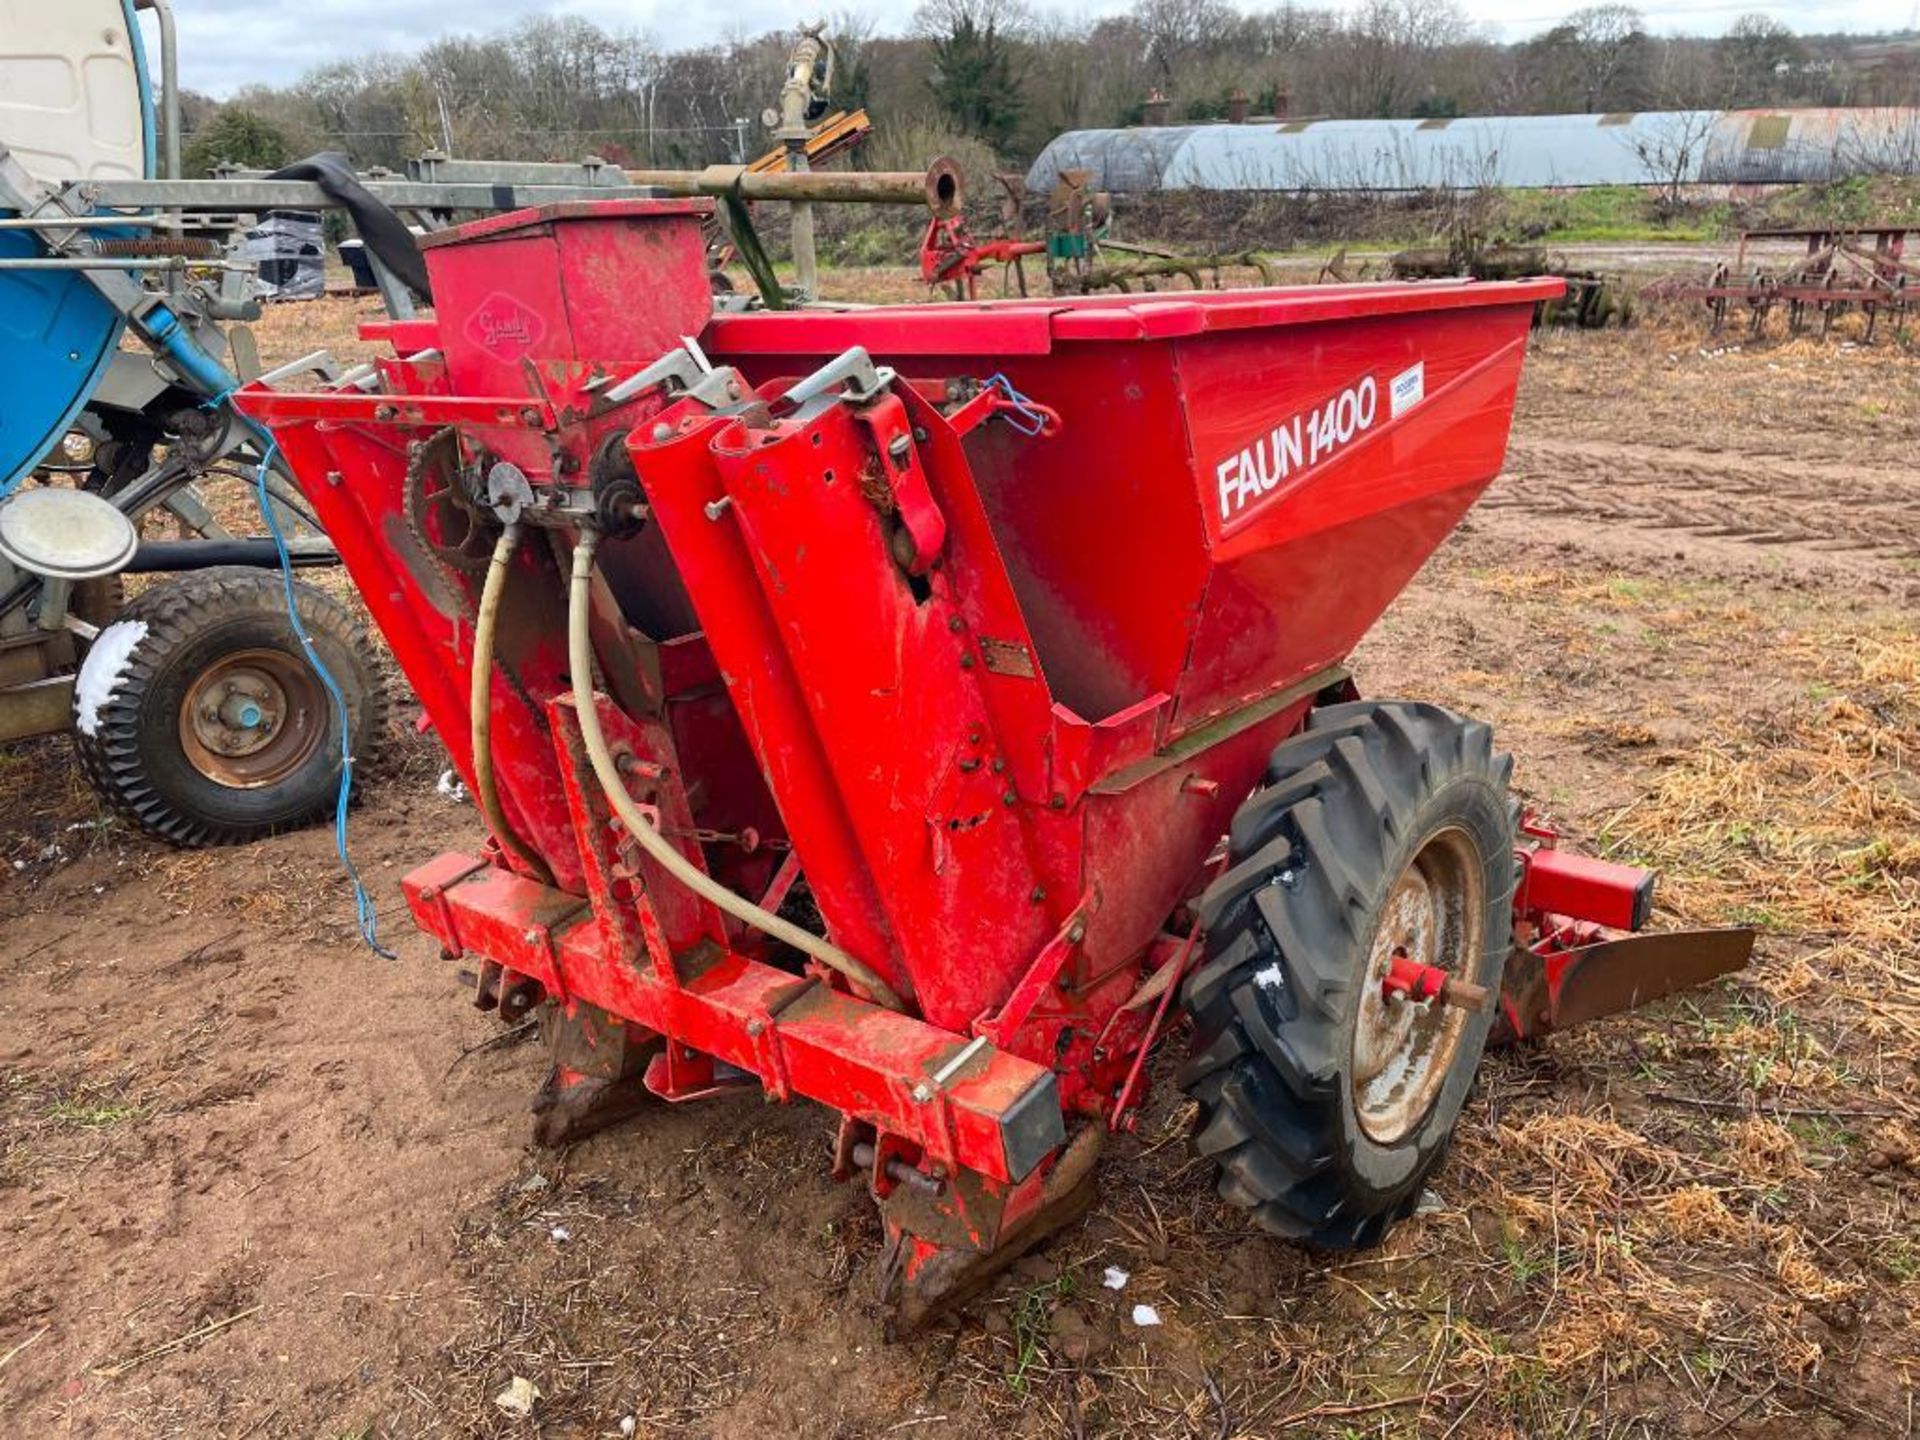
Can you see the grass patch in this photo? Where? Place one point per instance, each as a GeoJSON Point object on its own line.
{"type": "Point", "coordinates": [1604, 214]}
{"type": "Point", "coordinates": [1032, 1311]}
{"type": "Point", "coordinates": [94, 1115]}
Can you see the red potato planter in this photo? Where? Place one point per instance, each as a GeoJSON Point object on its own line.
{"type": "Point", "coordinates": [854, 726]}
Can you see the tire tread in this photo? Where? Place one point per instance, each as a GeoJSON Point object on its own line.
{"type": "Point", "coordinates": [1308, 853]}
{"type": "Point", "coordinates": [174, 612]}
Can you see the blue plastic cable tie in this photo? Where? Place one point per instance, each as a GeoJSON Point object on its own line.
{"type": "Point", "coordinates": [362, 902]}
{"type": "Point", "coordinates": [1030, 421]}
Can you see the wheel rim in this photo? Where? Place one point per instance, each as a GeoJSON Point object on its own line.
{"type": "Point", "coordinates": [252, 718]}
{"type": "Point", "coordinates": [1403, 1049]}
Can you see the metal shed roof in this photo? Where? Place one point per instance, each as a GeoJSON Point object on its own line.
{"type": "Point", "coordinates": [1525, 151]}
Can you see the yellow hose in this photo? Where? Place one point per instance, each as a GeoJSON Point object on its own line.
{"type": "Point", "coordinates": [580, 663]}
{"type": "Point", "coordinates": [480, 703]}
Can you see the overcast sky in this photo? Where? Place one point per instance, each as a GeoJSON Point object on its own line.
{"type": "Point", "coordinates": [225, 44]}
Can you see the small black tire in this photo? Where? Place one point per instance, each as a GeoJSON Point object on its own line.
{"type": "Point", "coordinates": [152, 760]}
{"type": "Point", "coordinates": [1368, 795]}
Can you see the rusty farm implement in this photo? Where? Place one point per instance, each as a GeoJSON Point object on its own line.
{"type": "Point", "coordinates": [1865, 270]}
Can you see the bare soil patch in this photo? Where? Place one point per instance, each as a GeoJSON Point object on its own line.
{"type": "Point", "coordinates": [256, 1182]}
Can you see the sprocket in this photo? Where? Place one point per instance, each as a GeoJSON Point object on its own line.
{"type": "Point", "coordinates": [440, 498]}
{"type": "Point", "coordinates": [450, 524]}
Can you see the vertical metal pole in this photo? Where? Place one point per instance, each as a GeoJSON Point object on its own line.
{"type": "Point", "coordinates": [169, 114]}
{"type": "Point", "coordinates": [796, 94]}
{"type": "Point", "coordinates": [803, 252]}
{"type": "Point", "coordinates": [169, 80]}
{"type": "Point", "coordinates": [393, 291]}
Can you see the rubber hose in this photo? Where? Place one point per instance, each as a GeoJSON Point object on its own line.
{"type": "Point", "coordinates": [480, 703]}
{"type": "Point", "coordinates": [644, 831]}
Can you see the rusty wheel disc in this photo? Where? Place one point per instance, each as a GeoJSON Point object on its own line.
{"type": "Point", "coordinates": [252, 718]}
{"type": "Point", "coordinates": [1403, 1049]}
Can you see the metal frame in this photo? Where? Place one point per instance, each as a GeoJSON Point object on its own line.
{"type": "Point", "coordinates": [1854, 267]}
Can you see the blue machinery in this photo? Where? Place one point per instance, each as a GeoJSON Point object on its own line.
{"type": "Point", "coordinates": [94, 253]}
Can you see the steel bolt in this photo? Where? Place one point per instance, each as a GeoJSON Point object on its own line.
{"type": "Point", "coordinates": [1039, 894]}
{"type": "Point", "coordinates": [999, 765]}
{"type": "Point", "coordinates": [1057, 802]}
{"type": "Point", "coordinates": [1009, 798]}
{"type": "Point", "coordinates": [966, 662]}
{"type": "Point", "coordinates": [956, 624]}
{"type": "Point", "coordinates": [532, 937]}
{"type": "Point", "coordinates": [755, 1028]}
{"type": "Point", "coordinates": [922, 1093]}
{"type": "Point", "coordinates": [899, 448]}
{"type": "Point", "coordinates": [662, 431]}
{"type": "Point", "coordinates": [1077, 932]}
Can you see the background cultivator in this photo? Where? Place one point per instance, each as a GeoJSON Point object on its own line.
{"type": "Point", "coordinates": [1865, 270]}
{"type": "Point", "coordinates": [1081, 257]}
{"type": "Point", "coordinates": [858, 702]}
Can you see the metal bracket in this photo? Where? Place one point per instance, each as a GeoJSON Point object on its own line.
{"type": "Point", "coordinates": [851, 375]}
{"type": "Point", "coordinates": [683, 370]}
{"type": "Point", "coordinates": [923, 528]}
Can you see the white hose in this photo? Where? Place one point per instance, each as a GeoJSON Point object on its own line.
{"type": "Point", "coordinates": [480, 705]}
{"type": "Point", "coordinates": [643, 830]}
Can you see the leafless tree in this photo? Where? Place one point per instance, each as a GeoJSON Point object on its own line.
{"type": "Point", "coordinates": [1759, 53]}
{"type": "Point", "coordinates": [558, 88]}
{"type": "Point", "coordinates": [1177, 32]}
{"type": "Point", "coordinates": [1671, 148]}
{"type": "Point", "coordinates": [1380, 55]}
{"type": "Point", "coordinates": [1610, 42]}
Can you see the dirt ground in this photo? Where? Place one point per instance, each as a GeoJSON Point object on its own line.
{"type": "Point", "coordinates": [255, 1181]}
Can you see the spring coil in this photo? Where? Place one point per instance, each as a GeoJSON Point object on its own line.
{"type": "Point", "coordinates": [191, 247]}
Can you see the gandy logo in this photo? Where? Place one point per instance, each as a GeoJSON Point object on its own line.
{"type": "Point", "coordinates": [505, 328]}
{"type": "Point", "coordinates": [1298, 443]}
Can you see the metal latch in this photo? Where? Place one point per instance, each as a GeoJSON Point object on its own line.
{"type": "Point", "coordinates": [851, 375]}
{"type": "Point", "coordinates": [683, 370]}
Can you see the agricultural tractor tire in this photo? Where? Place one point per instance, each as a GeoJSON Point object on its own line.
{"type": "Point", "coordinates": [198, 718]}
{"type": "Point", "coordinates": [1384, 833]}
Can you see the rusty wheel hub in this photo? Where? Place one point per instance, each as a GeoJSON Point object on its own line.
{"type": "Point", "coordinates": [252, 718]}
{"type": "Point", "coordinates": [1403, 1048]}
